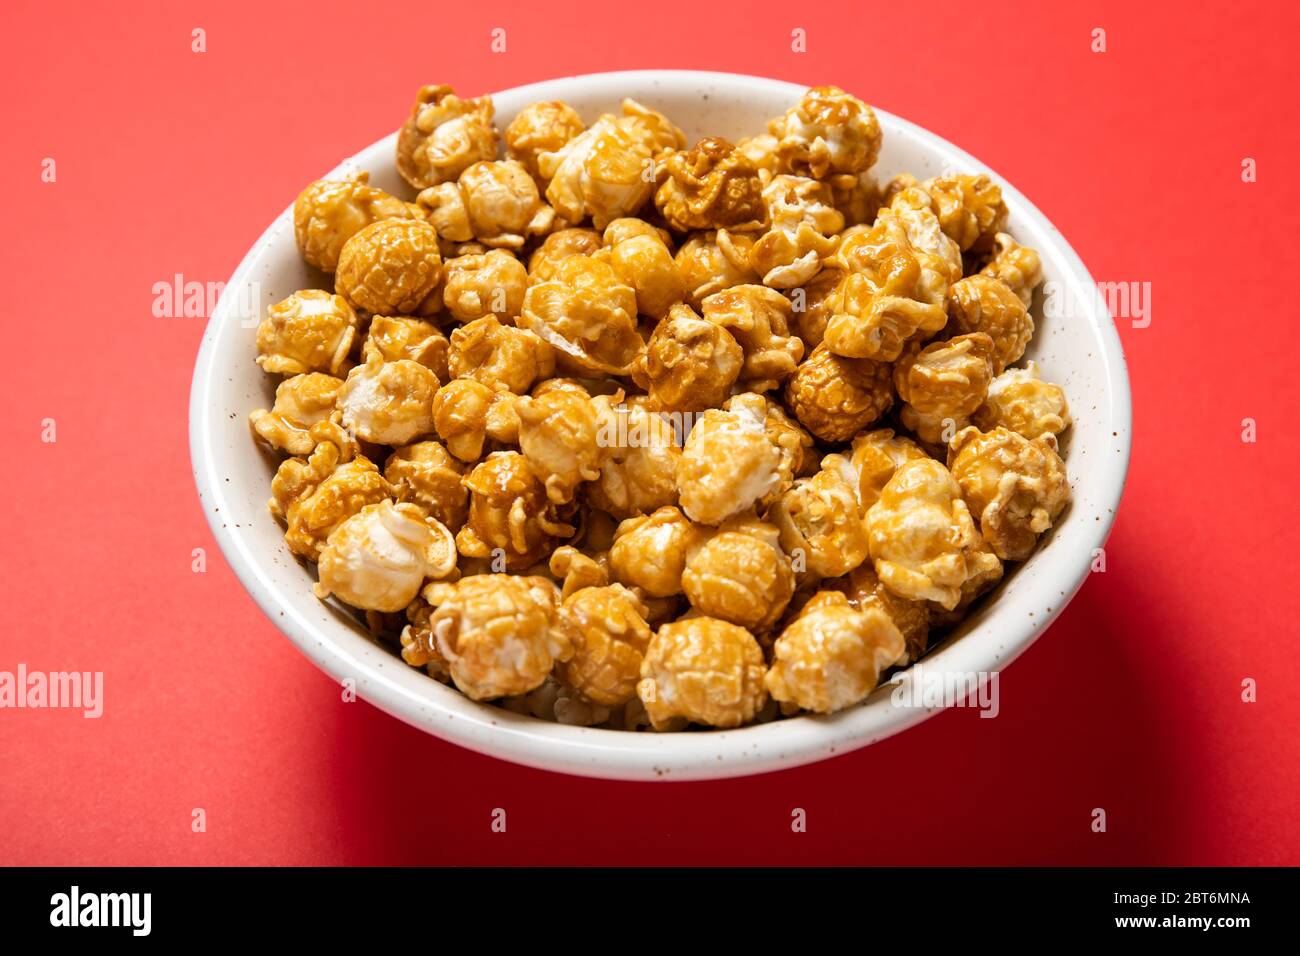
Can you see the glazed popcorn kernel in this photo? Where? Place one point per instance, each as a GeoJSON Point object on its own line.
{"type": "Point", "coordinates": [792, 442]}
{"type": "Point", "coordinates": [704, 671]}
{"type": "Point", "coordinates": [947, 378]}
{"type": "Point", "coordinates": [712, 261]}
{"type": "Point", "coordinates": [970, 209]}
{"type": "Point", "coordinates": [820, 519]}
{"type": "Point", "coordinates": [607, 630]}
{"type": "Point", "coordinates": [921, 534]}
{"type": "Point", "coordinates": [713, 185]}
{"type": "Point", "coordinates": [300, 402]}
{"type": "Point", "coordinates": [467, 414]}
{"type": "Point", "coordinates": [587, 314]}
{"type": "Point", "coordinates": [802, 222]}
{"type": "Point", "coordinates": [600, 174]}
{"type": "Point", "coordinates": [1014, 486]}
{"type": "Point", "coordinates": [427, 475]}
{"type": "Point", "coordinates": [557, 247]}
{"type": "Point", "coordinates": [650, 551]}
{"type": "Point", "coordinates": [759, 319]}
{"type": "Point", "coordinates": [827, 131]}
{"type": "Point", "coordinates": [510, 519]}
{"type": "Point", "coordinates": [916, 210]}
{"type": "Point", "coordinates": [493, 203]}
{"type": "Point", "coordinates": [310, 331]}
{"type": "Point", "coordinates": [499, 355]}
{"type": "Point", "coordinates": [329, 212]}
{"type": "Point", "coordinates": [444, 136]}
{"type": "Point", "coordinates": [1019, 400]}
{"type": "Point", "coordinates": [394, 337]}
{"type": "Point", "coordinates": [296, 478]}
{"type": "Point", "coordinates": [314, 515]}
{"type": "Point", "coordinates": [740, 574]}
{"type": "Point", "coordinates": [986, 572]}
{"type": "Point", "coordinates": [640, 256]}
{"type": "Point", "coordinates": [728, 462]}
{"type": "Point", "coordinates": [390, 267]}
{"type": "Point", "coordinates": [378, 558]}
{"type": "Point", "coordinates": [813, 304]}
{"type": "Point", "coordinates": [912, 618]}
{"type": "Point", "coordinates": [876, 455]}
{"type": "Point", "coordinates": [1018, 266]}
{"type": "Point", "coordinates": [832, 654]}
{"type": "Point", "coordinates": [856, 198]}
{"type": "Point", "coordinates": [419, 646]}
{"type": "Point", "coordinates": [933, 432]}
{"type": "Point", "coordinates": [836, 397]}
{"type": "Point", "coordinates": [982, 303]}
{"type": "Point", "coordinates": [639, 474]}
{"type": "Point", "coordinates": [491, 283]}
{"type": "Point", "coordinates": [559, 435]}
{"type": "Point", "coordinates": [689, 364]}
{"type": "Point", "coordinates": [389, 403]}
{"type": "Point", "coordinates": [760, 150]}
{"type": "Point", "coordinates": [541, 128]}
{"type": "Point", "coordinates": [496, 632]}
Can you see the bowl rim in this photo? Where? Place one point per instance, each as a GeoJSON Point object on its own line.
{"type": "Point", "coordinates": [408, 694]}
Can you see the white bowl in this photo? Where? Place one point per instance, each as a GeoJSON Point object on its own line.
{"type": "Point", "coordinates": [1079, 350]}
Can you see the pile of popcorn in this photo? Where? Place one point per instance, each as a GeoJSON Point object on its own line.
{"type": "Point", "coordinates": [621, 432]}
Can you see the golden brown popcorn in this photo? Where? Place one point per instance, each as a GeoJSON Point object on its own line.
{"type": "Point", "coordinates": [578, 570]}
{"type": "Point", "coordinates": [759, 319]}
{"type": "Point", "coordinates": [639, 474]}
{"type": "Point", "coordinates": [310, 331]}
{"type": "Point", "coordinates": [654, 129]}
{"type": "Point", "coordinates": [510, 519]}
{"type": "Point", "coordinates": [970, 209]}
{"type": "Point", "coordinates": [813, 304]}
{"type": "Point", "coordinates": [559, 434]}
{"type": "Point", "coordinates": [896, 185]}
{"type": "Point", "coordinates": [875, 457]}
{"type": "Point", "coordinates": [857, 198]}
{"type": "Point", "coordinates": [300, 402]}
{"type": "Point", "coordinates": [982, 303]}
{"type": "Point", "coordinates": [557, 247]}
{"type": "Point", "coordinates": [388, 403]}
{"type": "Point", "coordinates": [295, 478]}
{"type": "Point", "coordinates": [391, 267]}
{"type": "Point", "coordinates": [740, 574]}
{"type": "Point", "coordinates": [1018, 266]}
{"type": "Point", "coordinates": [1015, 487]}
{"type": "Point", "coordinates": [587, 314]}
{"type": "Point", "coordinates": [728, 462]}
{"type": "Point", "coordinates": [603, 173]}
{"type": "Point", "coordinates": [916, 210]}
{"type": "Point", "coordinates": [1017, 399]}
{"type": "Point", "coordinates": [947, 378]}
{"type": "Point", "coordinates": [988, 573]}
{"type": "Point", "coordinates": [923, 540]}
{"type": "Point", "coordinates": [607, 630]}
{"type": "Point", "coordinates": [802, 223]}
{"type": "Point", "coordinates": [493, 203]}
{"type": "Point", "coordinates": [933, 432]}
{"type": "Point", "coordinates": [640, 257]}
{"type": "Point", "coordinates": [689, 364]}
{"type": "Point", "coordinates": [792, 442]}
{"type": "Point", "coordinates": [710, 186]}
{"type": "Point", "coordinates": [467, 413]}
{"type": "Point", "coordinates": [541, 128]}
{"type": "Point", "coordinates": [320, 508]}
{"type": "Point", "coordinates": [761, 152]}
{"type": "Point", "coordinates": [819, 519]}
{"type": "Point", "coordinates": [427, 475]}
{"type": "Point", "coordinates": [912, 618]}
{"type": "Point", "coordinates": [329, 212]}
{"type": "Point", "coordinates": [704, 671]}
{"type": "Point", "coordinates": [499, 355]}
{"type": "Point", "coordinates": [444, 136]}
{"type": "Point", "coordinates": [378, 558]}
{"type": "Point", "coordinates": [831, 656]}
{"type": "Point", "coordinates": [419, 646]}
{"type": "Point", "coordinates": [475, 286]}
{"type": "Point", "coordinates": [496, 632]}
{"type": "Point", "coordinates": [650, 551]}
{"type": "Point", "coordinates": [712, 261]}
{"type": "Point", "coordinates": [827, 131]}
{"type": "Point", "coordinates": [836, 397]}
{"type": "Point", "coordinates": [394, 337]}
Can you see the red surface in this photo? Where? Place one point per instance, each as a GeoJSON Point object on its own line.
{"type": "Point", "coordinates": [169, 161]}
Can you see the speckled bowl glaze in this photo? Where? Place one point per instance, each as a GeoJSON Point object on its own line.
{"type": "Point", "coordinates": [1081, 352]}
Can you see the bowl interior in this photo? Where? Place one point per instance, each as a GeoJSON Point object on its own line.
{"type": "Point", "coordinates": [1076, 346]}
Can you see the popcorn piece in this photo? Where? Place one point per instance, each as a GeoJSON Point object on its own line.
{"type": "Point", "coordinates": [982, 303]}
{"type": "Point", "coordinates": [740, 575]}
{"type": "Point", "coordinates": [970, 209]}
{"type": "Point", "coordinates": [988, 572]}
{"type": "Point", "coordinates": [758, 318]}
{"type": "Point", "coordinates": [831, 656]}
{"type": "Point", "coordinates": [467, 413]}
{"type": "Point", "coordinates": [836, 397]}
{"type": "Point", "coordinates": [876, 456]}
{"type": "Point", "coordinates": [1018, 266]}
{"type": "Point", "coordinates": [761, 152]}
{"type": "Point", "coordinates": [444, 136]}
{"type": "Point", "coordinates": [653, 128]}
{"type": "Point", "coordinates": [1017, 399]}
{"type": "Point", "coordinates": [689, 364]}
{"type": "Point", "coordinates": [704, 671]}
{"type": "Point", "coordinates": [497, 632]}
{"type": "Point", "coordinates": [499, 355]}
{"type": "Point", "coordinates": [425, 474]}
{"type": "Point", "coordinates": [912, 618]}
{"type": "Point", "coordinates": [639, 474]}
{"type": "Point", "coordinates": [559, 428]}
{"type": "Point", "coordinates": [586, 314]}
{"type": "Point", "coordinates": [819, 518]}
{"type": "Point", "coordinates": [378, 558]}
{"type": "Point", "coordinates": [710, 186]}
{"type": "Point", "coordinates": [607, 630]}
{"type": "Point", "coordinates": [557, 247]}
{"type": "Point", "coordinates": [789, 438]}
{"type": "Point", "coordinates": [394, 337]}
{"type": "Point", "coordinates": [922, 538]}
{"type": "Point", "coordinates": [419, 646]}
{"type": "Point", "coordinates": [801, 225]}
{"type": "Point", "coordinates": [388, 403]}
{"type": "Point", "coordinates": [948, 379]}
{"type": "Point", "coordinates": [604, 173]}
{"type": "Point", "coordinates": [300, 402]}
{"type": "Point", "coordinates": [296, 478]}
{"type": "Point", "coordinates": [577, 570]}
{"type": "Point", "coordinates": [856, 198]}
{"type": "Point", "coordinates": [918, 212]}
{"type": "Point", "coordinates": [510, 518]}
{"type": "Point", "coordinates": [310, 331]}
{"type": "Point", "coordinates": [1016, 487]}
{"type": "Point", "coordinates": [813, 304]}
{"type": "Point", "coordinates": [329, 212]}
{"type": "Point", "coordinates": [493, 203]}
{"type": "Point", "coordinates": [712, 261]}
{"type": "Point", "coordinates": [475, 286]}
{"type": "Point", "coordinates": [728, 462]}
{"type": "Point", "coordinates": [650, 551]}
{"type": "Point", "coordinates": [391, 267]}
{"type": "Point", "coordinates": [932, 431]}
{"type": "Point", "coordinates": [827, 131]}
{"type": "Point", "coordinates": [541, 128]}
{"type": "Point", "coordinates": [320, 508]}
{"type": "Point", "coordinates": [640, 257]}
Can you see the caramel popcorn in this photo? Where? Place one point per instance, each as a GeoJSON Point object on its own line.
{"type": "Point", "coordinates": [499, 355]}
{"type": "Point", "coordinates": [827, 131]}
{"type": "Point", "coordinates": [802, 223]}
{"type": "Point", "coordinates": [467, 413]}
{"type": "Point", "coordinates": [947, 379]}
{"type": "Point", "coordinates": [320, 508]}
{"type": "Point", "coordinates": [510, 518]}
{"type": "Point", "coordinates": [876, 456]}
{"type": "Point", "coordinates": [760, 150]}
{"type": "Point", "coordinates": [728, 462]}
{"type": "Point", "coordinates": [604, 173]}
{"type": "Point", "coordinates": [311, 331]}
{"type": "Point", "coordinates": [793, 444]}
{"type": "Point", "coordinates": [296, 478]}
{"type": "Point", "coordinates": [641, 258]}
{"type": "Point", "coordinates": [491, 283]}
{"type": "Point", "coordinates": [987, 572]}
{"type": "Point", "coordinates": [689, 364]}
{"type": "Point", "coordinates": [832, 654]}
{"type": "Point", "coordinates": [607, 630]}
{"type": "Point", "coordinates": [493, 203]}
{"type": "Point", "coordinates": [740, 574]}
{"type": "Point", "coordinates": [557, 247]}
{"type": "Point", "coordinates": [1018, 266]}
{"type": "Point", "coordinates": [702, 670]}
{"type": "Point", "coordinates": [639, 474]}
{"type": "Point", "coordinates": [650, 551]}
{"type": "Point", "coordinates": [393, 337]}
{"type": "Point", "coordinates": [711, 186]}
{"type": "Point", "coordinates": [917, 211]}
{"type": "Point", "coordinates": [836, 397]}
{"type": "Point", "coordinates": [856, 198]}
{"type": "Point", "coordinates": [912, 618]}
{"type": "Point", "coordinates": [932, 431]}
{"type": "Point", "coordinates": [1017, 399]}
{"type": "Point", "coordinates": [300, 402]}
{"type": "Point", "coordinates": [444, 136]}
{"type": "Point", "coordinates": [759, 319]}
{"type": "Point", "coordinates": [712, 261]}
{"type": "Point", "coordinates": [541, 128]}
{"type": "Point", "coordinates": [586, 314]}
{"type": "Point", "coordinates": [329, 212]}
{"type": "Point", "coordinates": [982, 303]}
{"type": "Point", "coordinates": [1015, 486]}
{"type": "Point", "coordinates": [390, 267]}
{"type": "Point", "coordinates": [559, 432]}
{"type": "Point", "coordinates": [388, 403]}
{"type": "Point", "coordinates": [813, 304]}
{"type": "Point", "coordinates": [427, 475]}
{"type": "Point", "coordinates": [820, 519]}
{"type": "Point", "coordinates": [970, 209]}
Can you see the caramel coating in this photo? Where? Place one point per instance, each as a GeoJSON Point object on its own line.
{"type": "Point", "coordinates": [970, 209]}
{"type": "Point", "coordinates": [388, 403]}
{"type": "Point", "coordinates": [444, 136]}
{"type": "Point", "coordinates": [759, 319]}
{"type": "Point", "coordinates": [650, 551]}
{"type": "Point", "coordinates": [912, 618]}
{"type": "Point", "coordinates": [639, 473]}
{"type": "Point", "coordinates": [510, 519]}
{"type": "Point", "coordinates": [1015, 487]}
{"type": "Point", "coordinates": [702, 670]}
{"type": "Point", "coordinates": [499, 355]}
{"type": "Point", "coordinates": [607, 630]}
{"type": "Point", "coordinates": [495, 204]}
{"type": "Point", "coordinates": [713, 185]}
{"type": "Point", "coordinates": [740, 575]}
{"type": "Point", "coordinates": [728, 463]}
{"type": "Point", "coordinates": [689, 364]}
{"type": "Point", "coordinates": [467, 414]}
{"type": "Point", "coordinates": [820, 519]}
{"type": "Point", "coordinates": [300, 402]}
{"type": "Point", "coordinates": [946, 379]}
{"type": "Point", "coordinates": [813, 304]}
{"type": "Point", "coordinates": [321, 507]}
{"type": "Point", "coordinates": [640, 257]}
{"type": "Point", "coordinates": [559, 435]}
{"type": "Point", "coordinates": [712, 261]}
{"type": "Point", "coordinates": [557, 247]}
{"type": "Point", "coordinates": [856, 198]}
{"type": "Point", "coordinates": [587, 314]}
{"type": "Point", "coordinates": [491, 283]}
{"type": "Point", "coordinates": [310, 331]}
{"type": "Point", "coordinates": [876, 456]}
{"type": "Point", "coordinates": [390, 267]}
{"type": "Point", "coordinates": [1018, 266]}
{"type": "Point", "coordinates": [792, 442]}
{"type": "Point", "coordinates": [827, 131]}
{"type": "Point", "coordinates": [329, 212]}
{"type": "Point", "coordinates": [832, 654]}
{"type": "Point", "coordinates": [427, 475]}
{"type": "Point", "coordinates": [541, 128]}
{"type": "Point", "coordinates": [836, 397]}
{"type": "Point", "coordinates": [982, 303]}
{"type": "Point", "coordinates": [802, 222]}
{"type": "Point", "coordinates": [394, 337]}
{"type": "Point", "coordinates": [1017, 399]}
{"type": "Point", "coordinates": [603, 173]}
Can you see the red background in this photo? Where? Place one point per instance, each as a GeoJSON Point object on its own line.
{"type": "Point", "coordinates": [170, 161]}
